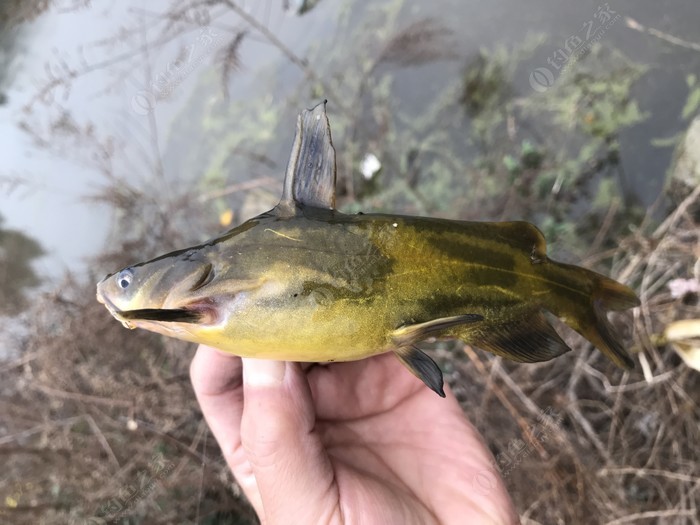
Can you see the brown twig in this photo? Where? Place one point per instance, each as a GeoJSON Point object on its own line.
{"type": "Point", "coordinates": [84, 398]}
{"type": "Point", "coordinates": [633, 24]}
{"type": "Point", "coordinates": [637, 516]}
{"type": "Point", "coordinates": [287, 51]}
{"type": "Point", "coordinates": [239, 186]}
{"type": "Point", "coordinates": [503, 398]}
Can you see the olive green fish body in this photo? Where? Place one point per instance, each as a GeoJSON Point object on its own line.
{"type": "Point", "coordinates": [343, 284]}
{"type": "Point", "coordinates": [305, 282]}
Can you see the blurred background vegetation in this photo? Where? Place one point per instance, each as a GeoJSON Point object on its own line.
{"type": "Point", "coordinates": [129, 131]}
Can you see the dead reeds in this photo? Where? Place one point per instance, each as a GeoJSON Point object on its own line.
{"type": "Point", "coordinates": [101, 423]}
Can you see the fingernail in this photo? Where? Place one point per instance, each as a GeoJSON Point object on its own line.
{"type": "Point", "coordinates": [263, 372]}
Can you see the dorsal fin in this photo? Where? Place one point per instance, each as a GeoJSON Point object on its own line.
{"type": "Point", "coordinates": [310, 178]}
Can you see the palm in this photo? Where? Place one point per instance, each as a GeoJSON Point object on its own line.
{"type": "Point", "coordinates": [387, 450]}
{"type": "Point", "coordinates": [395, 446]}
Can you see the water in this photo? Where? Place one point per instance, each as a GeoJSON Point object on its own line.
{"type": "Point", "coordinates": [43, 188]}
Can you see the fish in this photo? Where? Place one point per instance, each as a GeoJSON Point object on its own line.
{"type": "Point", "coordinates": [305, 282]}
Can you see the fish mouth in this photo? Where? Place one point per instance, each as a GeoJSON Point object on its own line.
{"type": "Point", "coordinates": [116, 312]}
{"type": "Point", "coordinates": [198, 312]}
{"type": "Point", "coordinates": [103, 299]}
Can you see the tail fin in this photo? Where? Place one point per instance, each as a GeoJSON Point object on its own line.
{"type": "Point", "coordinates": [613, 295]}
{"type": "Point", "coordinates": [591, 321]}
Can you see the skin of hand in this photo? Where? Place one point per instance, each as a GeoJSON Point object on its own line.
{"type": "Point", "coordinates": [347, 443]}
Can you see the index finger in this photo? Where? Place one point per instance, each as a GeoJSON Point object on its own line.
{"type": "Point", "coordinates": [217, 379]}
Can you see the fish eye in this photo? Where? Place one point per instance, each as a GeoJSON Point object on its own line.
{"type": "Point", "coordinates": [124, 278]}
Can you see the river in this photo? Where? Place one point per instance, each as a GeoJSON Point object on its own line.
{"type": "Point", "coordinates": [48, 174]}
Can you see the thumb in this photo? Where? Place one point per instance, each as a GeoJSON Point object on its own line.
{"type": "Point", "coordinates": [289, 462]}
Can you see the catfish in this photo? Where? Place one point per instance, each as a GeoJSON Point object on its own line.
{"type": "Point", "coordinates": [306, 282]}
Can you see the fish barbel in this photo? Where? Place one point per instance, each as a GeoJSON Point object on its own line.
{"type": "Point", "coordinates": [305, 282]}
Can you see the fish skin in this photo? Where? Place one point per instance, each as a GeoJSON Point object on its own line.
{"type": "Point", "coordinates": [332, 286]}
{"type": "Point", "coordinates": [305, 282]}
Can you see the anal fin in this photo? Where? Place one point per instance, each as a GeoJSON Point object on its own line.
{"type": "Point", "coordinates": [528, 339]}
{"type": "Point", "coordinates": [423, 367]}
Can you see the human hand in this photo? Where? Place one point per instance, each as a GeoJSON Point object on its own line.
{"type": "Point", "coordinates": [357, 442]}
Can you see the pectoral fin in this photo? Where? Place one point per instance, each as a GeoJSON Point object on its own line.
{"type": "Point", "coordinates": [414, 359]}
{"type": "Point", "coordinates": [410, 334]}
{"type": "Point", "coordinates": [422, 367]}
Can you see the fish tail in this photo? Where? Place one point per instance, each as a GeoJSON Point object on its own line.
{"type": "Point", "coordinates": [589, 318]}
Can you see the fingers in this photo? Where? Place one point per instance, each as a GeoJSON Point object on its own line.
{"type": "Point", "coordinates": [214, 373]}
{"type": "Point", "coordinates": [218, 384]}
{"type": "Point", "coordinates": [293, 471]}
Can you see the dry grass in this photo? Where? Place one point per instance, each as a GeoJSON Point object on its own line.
{"type": "Point", "coordinates": [95, 415]}
{"type": "Point", "coordinates": [617, 447]}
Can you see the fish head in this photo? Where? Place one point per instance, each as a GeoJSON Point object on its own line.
{"type": "Point", "coordinates": [239, 291]}
{"type": "Point", "coordinates": [169, 294]}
